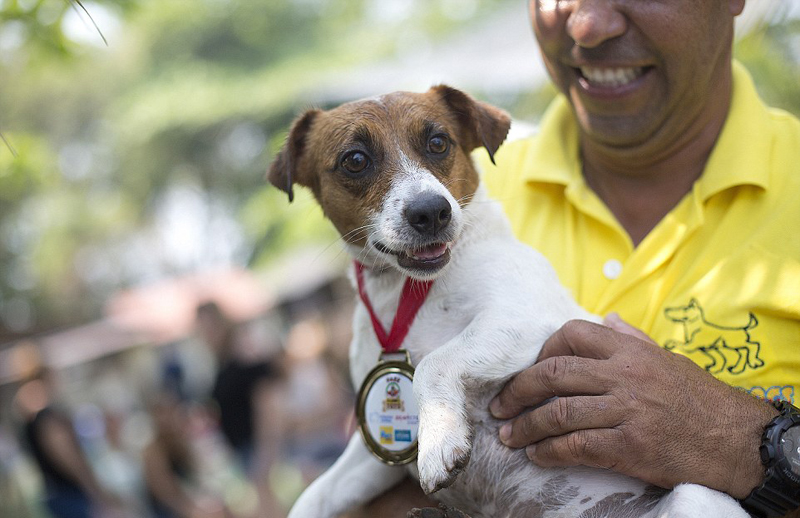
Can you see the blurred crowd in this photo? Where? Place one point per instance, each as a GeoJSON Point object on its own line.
{"type": "Point", "coordinates": [232, 421]}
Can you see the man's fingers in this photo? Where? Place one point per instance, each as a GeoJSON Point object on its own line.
{"type": "Point", "coordinates": [560, 417]}
{"type": "Point", "coordinates": [581, 338]}
{"type": "Point", "coordinates": [602, 448]}
{"type": "Point", "coordinates": [557, 376]}
{"type": "Point", "coordinates": [615, 322]}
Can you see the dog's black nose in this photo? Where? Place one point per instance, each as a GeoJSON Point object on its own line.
{"type": "Point", "coordinates": [429, 214]}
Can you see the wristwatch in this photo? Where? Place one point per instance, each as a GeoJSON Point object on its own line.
{"type": "Point", "coordinates": [780, 454]}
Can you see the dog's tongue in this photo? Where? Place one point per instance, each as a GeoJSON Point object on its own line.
{"type": "Point", "coordinates": [430, 252]}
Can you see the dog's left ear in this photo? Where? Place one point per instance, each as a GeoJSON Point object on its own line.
{"type": "Point", "coordinates": [483, 124]}
{"type": "Point", "coordinates": [283, 171]}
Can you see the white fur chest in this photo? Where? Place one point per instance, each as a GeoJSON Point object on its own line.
{"type": "Point", "coordinates": [491, 276]}
{"type": "Point", "coordinates": [443, 315]}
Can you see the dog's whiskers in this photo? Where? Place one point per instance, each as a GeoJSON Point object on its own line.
{"type": "Point", "coordinates": [352, 234]}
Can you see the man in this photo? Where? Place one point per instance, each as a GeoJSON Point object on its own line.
{"type": "Point", "coordinates": [661, 188]}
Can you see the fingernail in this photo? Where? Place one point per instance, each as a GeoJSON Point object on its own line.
{"type": "Point", "coordinates": [505, 432]}
{"type": "Point", "coordinates": [494, 407]}
{"type": "Point", "coordinates": [530, 451]}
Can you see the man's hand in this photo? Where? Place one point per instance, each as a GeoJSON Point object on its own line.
{"type": "Point", "coordinates": [626, 404]}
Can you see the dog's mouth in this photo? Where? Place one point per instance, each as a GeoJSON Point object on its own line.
{"type": "Point", "coordinates": [428, 259]}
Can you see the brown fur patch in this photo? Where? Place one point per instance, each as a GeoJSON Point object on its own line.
{"type": "Point", "coordinates": [383, 129]}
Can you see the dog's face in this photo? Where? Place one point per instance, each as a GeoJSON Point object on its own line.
{"type": "Point", "coordinates": [393, 173]}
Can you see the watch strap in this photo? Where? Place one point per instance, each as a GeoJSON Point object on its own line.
{"type": "Point", "coordinates": [771, 499]}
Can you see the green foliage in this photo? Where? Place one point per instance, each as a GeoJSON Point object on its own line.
{"type": "Point", "coordinates": [28, 170]}
{"type": "Point", "coordinates": [123, 150]}
{"type": "Point", "coordinates": [39, 23]}
{"type": "Point", "coordinates": [126, 151]}
{"type": "Point", "coordinates": [772, 54]}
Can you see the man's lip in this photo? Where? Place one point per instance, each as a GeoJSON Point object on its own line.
{"type": "Point", "coordinates": [611, 91]}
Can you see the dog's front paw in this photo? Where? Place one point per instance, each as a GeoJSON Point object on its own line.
{"type": "Point", "coordinates": [445, 444]}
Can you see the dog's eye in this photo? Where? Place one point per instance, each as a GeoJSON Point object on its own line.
{"type": "Point", "coordinates": [355, 162]}
{"type": "Point", "coordinates": [438, 144]}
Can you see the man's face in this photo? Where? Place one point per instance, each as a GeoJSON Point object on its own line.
{"type": "Point", "coordinates": [635, 70]}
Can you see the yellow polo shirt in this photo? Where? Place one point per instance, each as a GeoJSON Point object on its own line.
{"type": "Point", "coordinates": [718, 279]}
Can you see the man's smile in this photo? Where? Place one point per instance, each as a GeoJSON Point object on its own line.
{"type": "Point", "coordinates": [610, 77]}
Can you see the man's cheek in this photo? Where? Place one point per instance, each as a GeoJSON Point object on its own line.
{"type": "Point", "coordinates": [548, 22]}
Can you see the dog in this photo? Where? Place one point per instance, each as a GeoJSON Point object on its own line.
{"type": "Point", "coordinates": [712, 339]}
{"type": "Point", "coordinates": [395, 177]}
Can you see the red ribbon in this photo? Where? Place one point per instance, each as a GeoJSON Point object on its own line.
{"type": "Point", "coordinates": [411, 299]}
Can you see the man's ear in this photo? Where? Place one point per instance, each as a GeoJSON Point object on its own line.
{"type": "Point", "coordinates": [482, 124]}
{"type": "Point", "coordinates": [736, 7]}
{"type": "Point", "coordinates": [283, 170]}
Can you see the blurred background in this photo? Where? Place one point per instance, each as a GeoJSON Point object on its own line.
{"type": "Point", "coordinates": [170, 326]}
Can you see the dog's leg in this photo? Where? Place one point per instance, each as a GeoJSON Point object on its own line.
{"type": "Point", "coordinates": [745, 359]}
{"type": "Point", "coordinates": [742, 361]}
{"type": "Point", "coordinates": [355, 478]}
{"type": "Point", "coordinates": [693, 501]}
{"type": "Point", "coordinates": [753, 348]}
{"type": "Point", "coordinates": [718, 360]}
{"type": "Point", "coordinates": [486, 352]}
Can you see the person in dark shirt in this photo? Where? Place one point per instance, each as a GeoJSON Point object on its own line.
{"type": "Point", "coordinates": [71, 487]}
{"type": "Point", "coordinates": [240, 385]}
{"type": "Point", "coordinates": [234, 391]}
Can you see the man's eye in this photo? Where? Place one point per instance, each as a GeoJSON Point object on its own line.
{"type": "Point", "coordinates": [355, 162]}
{"type": "Point", "coordinates": [438, 144]}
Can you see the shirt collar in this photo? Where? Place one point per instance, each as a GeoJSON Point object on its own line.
{"type": "Point", "coordinates": [730, 164]}
{"type": "Point", "coordinates": [556, 147]}
{"type": "Point", "coordinates": [739, 157]}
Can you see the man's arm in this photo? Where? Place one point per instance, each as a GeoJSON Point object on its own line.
{"type": "Point", "coordinates": [626, 404]}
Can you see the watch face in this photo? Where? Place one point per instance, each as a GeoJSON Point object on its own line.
{"type": "Point", "coordinates": [790, 444]}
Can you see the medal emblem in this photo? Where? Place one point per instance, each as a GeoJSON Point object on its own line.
{"type": "Point", "coordinates": [387, 412]}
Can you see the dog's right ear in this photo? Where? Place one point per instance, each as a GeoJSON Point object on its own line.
{"type": "Point", "coordinates": [485, 125]}
{"type": "Point", "coordinates": [283, 172]}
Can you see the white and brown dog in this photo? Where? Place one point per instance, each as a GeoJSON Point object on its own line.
{"type": "Point", "coordinates": [394, 175]}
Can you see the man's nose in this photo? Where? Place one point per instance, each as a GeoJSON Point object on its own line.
{"type": "Point", "coordinates": [592, 22]}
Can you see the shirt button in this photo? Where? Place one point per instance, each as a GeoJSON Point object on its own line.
{"type": "Point", "coordinates": [612, 269]}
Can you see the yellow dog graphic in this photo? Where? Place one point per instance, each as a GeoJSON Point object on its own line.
{"type": "Point", "coordinates": [712, 339]}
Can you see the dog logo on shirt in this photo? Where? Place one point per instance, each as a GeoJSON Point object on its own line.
{"type": "Point", "coordinates": [718, 343]}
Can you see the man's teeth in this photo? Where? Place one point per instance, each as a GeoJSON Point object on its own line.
{"type": "Point", "coordinates": [611, 76]}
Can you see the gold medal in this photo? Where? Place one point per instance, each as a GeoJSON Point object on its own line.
{"type": "Point", "coordinates": [387, 411]}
